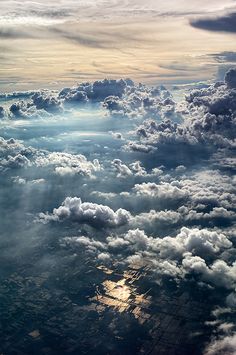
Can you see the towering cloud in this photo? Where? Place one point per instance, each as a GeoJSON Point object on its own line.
{"type": "Point", "coordinates": [98, 216]}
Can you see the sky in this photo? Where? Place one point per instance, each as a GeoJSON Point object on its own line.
{"type": "Point", "coordinates": [117, 171]}
{"type": "Point", "coordinates": [59, 42]}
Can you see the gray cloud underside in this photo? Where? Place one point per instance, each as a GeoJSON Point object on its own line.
{"type": "Point", "coordinates": [225, 23]}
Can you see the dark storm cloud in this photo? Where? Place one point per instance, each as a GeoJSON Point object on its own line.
{"type": "Point", "coordinates": [223, 57]}
{"type": "Point", "coordinates": [226, 23]}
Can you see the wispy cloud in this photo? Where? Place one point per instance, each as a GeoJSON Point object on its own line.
{"type": "Point", "coordinates": [61, 38]}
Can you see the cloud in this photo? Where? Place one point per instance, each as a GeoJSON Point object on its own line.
{"type": "Point", "coordinates": [69, 164]}
{"type": "Point", "coordinates": [170, 208]}
{"type": "Point", "coordinates": [12, 33]}
{"type": "Point", "coordinates": [160, 192]}
{"type": "Point", "coordinates": [191, 252]}
{"type": "Point", "coordinates": [96, 91]}
{"type": "Point", "coordinates": [226, 23]}
{"type": "Point", "coordinates": [17, 161]}
{"type": "Point", "coordinates": [137, 147]}
{"type": "Point", "coordinates": [2, 112]}
{"type": "Point", "coordinates": [24, 110]}
{"type": "Point", "coordinates": [153, 135]}
{"type": "Point", "coordinates": [17, 95]}
{"type": "Point", "coordinates": [180, 201]}
{"type": "Point", "coordinates": [205, 198]}
{"type": "Point", "coordinates": [230, 79]}
{"type": "Point", "coordinates": [205, 188]}
{"type": "Point", "coordinates": [225, 345]}
{"type": "Point", "coordinates": [68, 25]}
{"type": "Point", "coordinates": [46, 101]}
{"type": "Point", "coordinates": [213, 109]}
{"type": "Point", "coordinates": [98, 216]}
{"type": "Point", "coordinates": [166, 218]}
{"type": "Point", "coordinates": [82, 39]}
{"type": "Point", "coordinates": [207, 123]}
{"type": "Point", "coordinates": [225, 56]}
{"type": "Point", "coordinates": [124, 171]}
{"type": "Point", "coordinates": [34, 105]}
{"type": "Point", "coordinates": [22, 181]}
{"type": "Point", "coordinates": [117, 135]}
{"type": "Point", "coordinates": [219, 273]}
{"type": "Point", "coordinates": [13, 154]}
{"type": "Point", "coordinates": [9, 146]}
{"type": "Point", "coordinates": [141, 101]}
{"type": "Point", "coordinates": [94, 10]}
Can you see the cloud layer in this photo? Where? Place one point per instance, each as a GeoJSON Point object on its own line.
{"type": "Point", "coordinates": [122, 175]}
